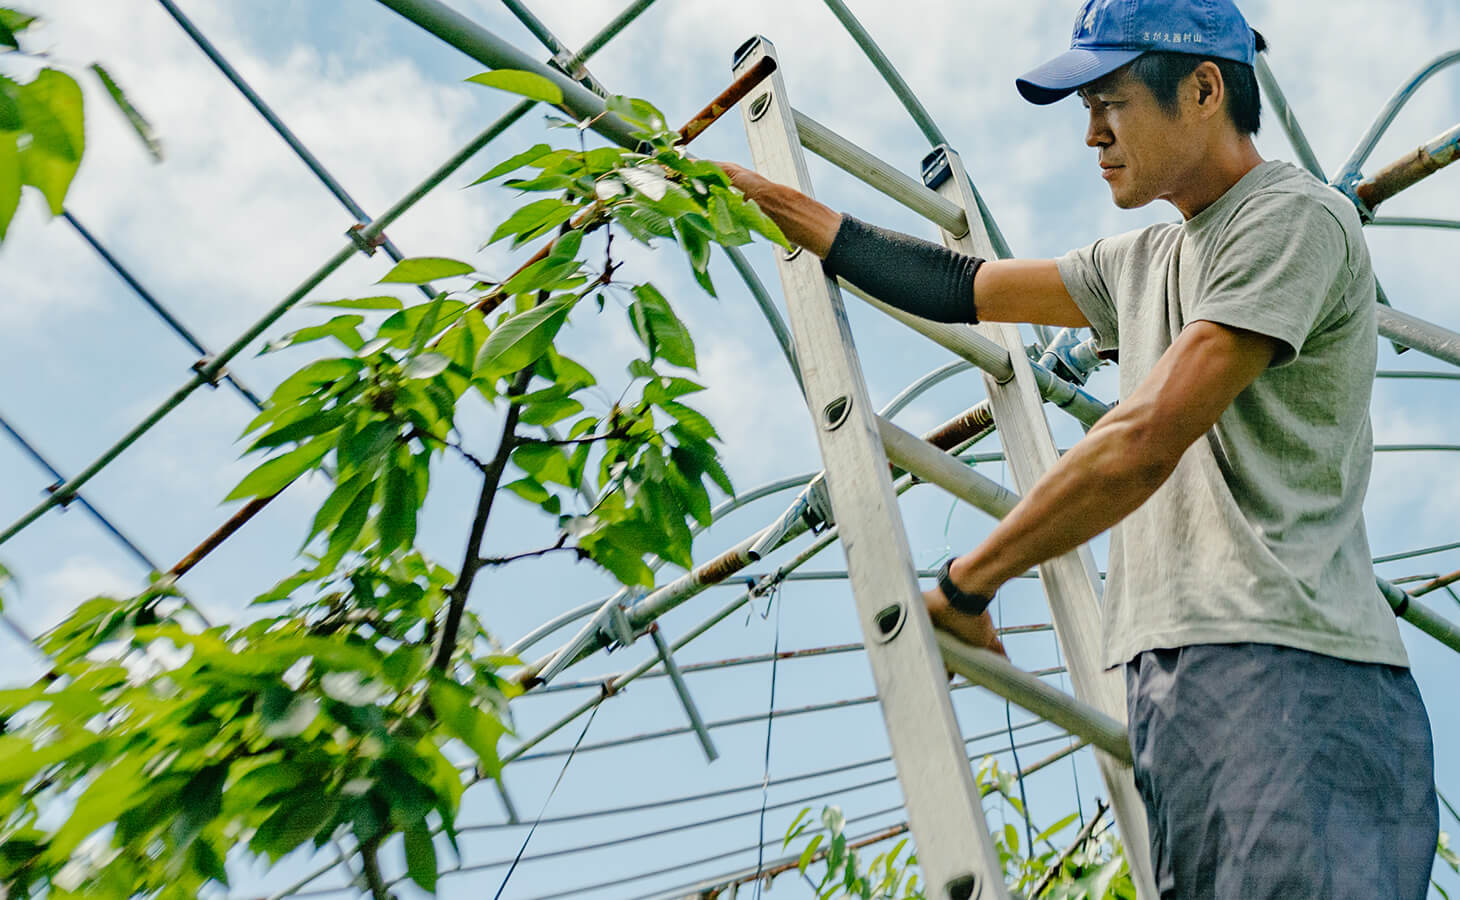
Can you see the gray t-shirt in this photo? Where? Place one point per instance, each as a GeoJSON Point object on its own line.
{"type": "Point", "coordinates": [1258, 535]}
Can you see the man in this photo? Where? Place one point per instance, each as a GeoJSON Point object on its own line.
{"type": "Point", "coordinates": [1281, 745]}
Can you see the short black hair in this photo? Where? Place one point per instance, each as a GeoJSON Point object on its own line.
{"type": "Point", "coordinates": [1162, 72]}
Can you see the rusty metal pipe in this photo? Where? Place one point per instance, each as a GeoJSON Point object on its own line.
{"type": "Point", "coordinates": [1413, 167]}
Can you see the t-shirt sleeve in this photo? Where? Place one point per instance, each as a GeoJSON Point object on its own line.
{"type": "Point", "coordinates": [1274, 271]}
{"type": "Point", "coordinates": [1090, 275]}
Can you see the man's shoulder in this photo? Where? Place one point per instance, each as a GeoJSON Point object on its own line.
{"type": "Point", "coordinates": [1286, 188]}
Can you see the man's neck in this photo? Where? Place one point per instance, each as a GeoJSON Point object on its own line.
{"type": "Point", "coordinates": [1218, 170]}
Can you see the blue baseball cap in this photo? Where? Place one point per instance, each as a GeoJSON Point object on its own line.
{"type": "Point", "coordinates": [1110, 33]}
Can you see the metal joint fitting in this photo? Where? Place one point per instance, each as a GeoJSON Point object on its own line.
{"type": "Point", "coordinates": [367, 246]}
{"type": "Point", "coordinates": [1348, 184]}
{"type": "Point", "coordinates": [202, 366]}
{"type": "Point", "coordinates": [62, 500]}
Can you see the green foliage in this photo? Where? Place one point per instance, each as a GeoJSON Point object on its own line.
{"type": "Point", "coordinates": [177, 744]}
{"type": "Point", "coordinates": [42, 138]}
{"type": "Point", "coordinates": [1093, 869]}
{"type": "Point", "coordinates": [157, 745]}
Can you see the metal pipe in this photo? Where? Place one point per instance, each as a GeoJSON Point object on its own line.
{"type": "Point", "coordinates": [666, 657]}
{"type": "Point", "coordinates": [1422, 162]}
{"type": "Point", "coordinates": [146, 297]}
{"type": "Point", "coordinates": [889, 73]}
{"type": "Point", "coordinates": [95, 513]}
{"type": "Point", "coordinates": [561, 54]}
{"type": "Point", "coordinates": [263, 109]}
{"type": "Point", "coordinates": [1278, 102]}
{"type": "Point", "coordinates": [214, 370]}
{"type": "Point", "coordinates": [1417, 334]}
{"type": "Point", "coordinates": [986, 668]}
{"type": "Point", "coordinates": [1417, 373]}
{"type": "Point", "coordinates": [734, 503]}
{"type": "Point", "coordinates": [496, 53]}
{"type": "Point", "coordinates": [933, 465]}
{"type": "Point", "coordinates": [993, 359]}
{"type": "Point", "coordinates": [1415, 222]}
{"type": "Point", "coordinates": [767, 309]}
{"type": "Point", "coordinates": [1350, 171]}
{"type": "Point", "coordinates": [1419, 615]}
{"type": "Point", "coordinates": [879, 174]}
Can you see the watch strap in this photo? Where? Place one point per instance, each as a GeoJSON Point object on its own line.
{"type": "Point", "coordinates": [970, 603]}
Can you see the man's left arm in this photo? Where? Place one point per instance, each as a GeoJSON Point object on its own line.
{"type": "Point", "coordinates": [1119, 464]}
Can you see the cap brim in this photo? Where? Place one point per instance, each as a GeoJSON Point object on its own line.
{"type": "Point", "coordinates": [1059, 77]}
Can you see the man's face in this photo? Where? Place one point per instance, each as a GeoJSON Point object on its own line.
{"type": "Point", "coordinates": [1144, 151]}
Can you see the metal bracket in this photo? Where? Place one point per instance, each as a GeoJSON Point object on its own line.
{"type": "Point", "coordinates": [1068, 357]}
{"type": "Point", "coordinates": [609, 626]}
{"type": "Point", "coordinates": [64, 500]}
{"type": "Point", "coordinates": [1348, 184]}
{"type": "Point", "coordinates": [366, 245]}
{"type": "Point", "coordinates": [935, 168]}
{"type": "Point", "coordinates": [201, 367]}
{"type": "Point", "coordinates": [818, 514]}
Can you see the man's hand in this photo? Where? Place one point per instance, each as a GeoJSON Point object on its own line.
{"type": "Point", "coordinates": [805, 222]}
{"type": "Point", "coordinates": [976, 631]}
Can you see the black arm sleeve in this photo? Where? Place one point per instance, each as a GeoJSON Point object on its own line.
{"type": "Point", "coordinates": [913, 275]}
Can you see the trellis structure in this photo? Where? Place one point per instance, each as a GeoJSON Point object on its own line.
{"type": "Point", "coordinates": [1057, 372]}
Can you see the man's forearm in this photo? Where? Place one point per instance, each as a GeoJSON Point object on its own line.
{"type": "Point", "coordinates": [806, 222]}
{"type": "Point", "coordinates": [1100, 481]}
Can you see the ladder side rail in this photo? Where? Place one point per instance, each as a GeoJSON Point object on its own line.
{"type": "Point", "coordinates": [1070, 580]}
{"type": "Point", "coordinates": [942, 799]}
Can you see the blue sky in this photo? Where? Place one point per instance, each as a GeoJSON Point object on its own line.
{"type": "Point", "coordinates": [232, 221]}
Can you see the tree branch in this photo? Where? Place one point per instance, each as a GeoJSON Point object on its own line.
{"type": "Point", "coordinates": [491, 478]}
{"type": "Point", "coordinates": [371, 865]}
{"type": "Point", "coordinates": [560, 546]}
{"type": "Point", "coordinates": [1054, 869]}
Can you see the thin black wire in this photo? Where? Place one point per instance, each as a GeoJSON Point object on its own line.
{"type": "Point", "coordinates": [765, 784]}
{"type": "Point", "coordinates": [540, 813]}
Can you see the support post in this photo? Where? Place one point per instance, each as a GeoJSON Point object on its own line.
{"type": "Point", "coordinates": [942, 800]}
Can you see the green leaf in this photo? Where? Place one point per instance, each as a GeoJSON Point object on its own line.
{"type": "Point", "coordinates": [551, 411]}
{"type": "Point", "coordinates": [516, 162]}
{"type": "Point", "coordinates": [335, 505]}
{"type": "Point", "coordinates": [281, 471]}
{"type": "Point", "coordinates": [545, 274]}
{"type": "Point", "coordinates": [534, 217]}
{"type": "Point", "coordinates": [427, 365]}
{"type": "Point", "coordinates": [10, 180]}
{"type": "Point", "coordinates": [809, 852]}
{"type": "Point", "coordinates": [521, 339]}
{"type": "Point", "coordinates": [457, 710]}
{"type": "Point", "coordinates": [421, 269]}
{"type": "Point", "coordinates": [544, 462]}
{"type": "Point", "coordinates": [51, 107]}
{"type": "Point", "coordinates": [347, 530]}
{"type": "Point", "coordinates": [9, 104]}
{"type": "Point", "coordinates": [138, 122]}
{"type": "Point", "coordinates": [15, 21]}
{"type": "Point", "coordinates": [7, 38]}
{"type": "Point", "coordinates": [342, 328]}
{"type": "Point", "coordinates": [640, 113]}
{"type": "Point", "coordinates": [362, 303]}
{"type": "Point", "coordinates": [661, 331]}
{"type": "Point", "coordinates": [421, 856]}
{"type": "Point", "coordinates": [398, 505]}
{"type": "Point", "coordinates": [528, 84]}
{"type": "Point", "coordinates": [528, 489]}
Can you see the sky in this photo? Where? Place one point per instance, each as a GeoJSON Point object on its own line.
{"type": "Point", "coordinates": [232, 221]}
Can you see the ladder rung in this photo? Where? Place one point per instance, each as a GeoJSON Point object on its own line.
{"type": "Point", "coordinates": [886, 178]}
{"type": "Point", "coordinates": [988, 669]}
{"type": "Point", "coordinates": [932, 465]}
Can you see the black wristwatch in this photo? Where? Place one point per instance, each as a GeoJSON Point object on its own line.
{"type": "Point", "coordinates": [964, 602]}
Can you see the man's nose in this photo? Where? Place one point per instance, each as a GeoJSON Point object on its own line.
{"type": "Point", "coordinates": [1096, 132]}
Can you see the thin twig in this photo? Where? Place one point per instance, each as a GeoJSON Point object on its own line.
{"type": "Point", "coordinates": [1059, 862]}
{"type": "Point", "coordinates": [371, 864]}
{"type": "Point", "coordinates": [491, 478]}
{"type": "Point", "coordinates": [560, 546]}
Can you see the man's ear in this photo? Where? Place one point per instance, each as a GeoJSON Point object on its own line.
{"type": "Point", "coordinates": [1206, 89]}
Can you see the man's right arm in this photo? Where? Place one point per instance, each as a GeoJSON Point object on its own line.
{"type": "Point", "coordinates": [1006, 290]}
